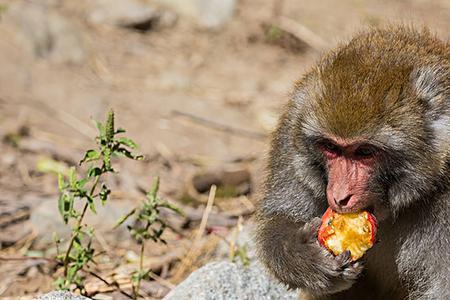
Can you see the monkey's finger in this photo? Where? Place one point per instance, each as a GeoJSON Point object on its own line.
{"type": "Point", "coordinates": [353, 271]}
{"type": "Point", "coordinates": [344, 259]}
{"type": "Point", "coordinates": [310, 230]}
{"type": "Point", "coordinates": [315, 223]}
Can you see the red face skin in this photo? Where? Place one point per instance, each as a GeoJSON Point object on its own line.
{"type": "Point", "coordinates": [350, 166]}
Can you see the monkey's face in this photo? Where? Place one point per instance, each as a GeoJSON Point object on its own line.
{"type": "Point", "coordinates": [350, 167]}
{"type": "Point", "coordinates": [368, 135]}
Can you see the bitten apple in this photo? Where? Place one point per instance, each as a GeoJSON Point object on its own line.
{"type": "Point", "coordinates": [354, 232]}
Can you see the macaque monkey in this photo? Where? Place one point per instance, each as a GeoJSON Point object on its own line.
{"type": "Point", "coordinates": [367, 128]}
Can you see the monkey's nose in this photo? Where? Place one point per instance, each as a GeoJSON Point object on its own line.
{"type": "Point", "coordinates": [342, 201]}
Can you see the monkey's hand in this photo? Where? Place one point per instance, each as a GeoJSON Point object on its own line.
{"type": "Point", "coordinates": [293, 254]}
{"type": "Point", "coordinates": [336, 273]}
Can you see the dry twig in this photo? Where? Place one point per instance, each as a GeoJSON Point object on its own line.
{"type": "Point", "coordinates": [221, 127]}
{"type": "Point", "coordinates": [190, 256]}
{"type": "Point", "coordinates": [302, 32]}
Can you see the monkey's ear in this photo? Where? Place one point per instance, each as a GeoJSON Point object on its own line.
{"type": "Point", "coordinates": [309, 87]}
{"type": "Point", "coordinates": [300, 96]}
{"type": "Point", "coordinates": [430, 87]}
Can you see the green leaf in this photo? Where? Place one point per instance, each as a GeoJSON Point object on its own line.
{"type": "Point", "coordinates": [243, 255]}
{"type": "Point", "coordinates": [145, 274]}
{"type": "Point", "coordinates": [158, 232]}
{"type": "Point", "coordinates": [82, 182]}
{"type": "Point", "coordinates": [104, 193]}
{"type": "Point", "coordinates": [72, 178]}
{"type": "Point", "coordinates": [90, 155]}
{"type": "Point", "coordinates": [89, 231]}
{"type": "Point", "coordinates": [120, 130]}
{"type": "Point", "coordinates": [172, 207]}
{"type": "Point", "coordinates": [154, 189]}
{"type": "Point", "coordinates": [127, 153]}
{"type": "Point", "coordinates": [101, 129]}
{"type": "Point", "coordinates": [72, 272]}
{"type": "Point", "coordinates": [60, 284]}
{"type": "Point", "coordinates": [48, 165]}
{"type": "Point", "coordinates": [124, 218]}
{"type": "Point", "coordinates": [61, 182]}
{"type": "Point", "coordinates": [94, 171]}
{"type": "Point", "coordinates": [91, 202]}
{"type": "Point", "coordinates": [135, 277]}
{"type": "Point", "coordinates": [65, 206]}
{"type": "Point", "coordinates": [61, 205]}
{"type": "Point", "coordinates": [127, 142]}
{"type": "Point", "coordinates": [77, 241]}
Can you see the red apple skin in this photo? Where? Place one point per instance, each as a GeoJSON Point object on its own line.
{"type": "Point", "coordinates": [323, 233]}
{"type": "Point", "coordinates": [374, 223]}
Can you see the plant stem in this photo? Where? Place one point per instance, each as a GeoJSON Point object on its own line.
{"type": "Point", "coordinates": [141, 269]}
{"type": "Point", "coordinates": [78, 227]}
{"type": "Point", "coordinates": [114, 283]}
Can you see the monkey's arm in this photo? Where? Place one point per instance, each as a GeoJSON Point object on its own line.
{"type": "Point", "coordinates": [424, 255]}
{"type": "Point", "coordinates": [292, 253]}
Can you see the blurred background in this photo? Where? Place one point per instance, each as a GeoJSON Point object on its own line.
{"type": "Point", "coordinates": [198, 84]}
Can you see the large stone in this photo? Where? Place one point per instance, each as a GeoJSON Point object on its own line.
{"type": "Point", "coordinates": [61, 295]}
{"type": "Point", "coordinates": [45, 33]}
{"type": "Point", "coordinates": [210, 14]}
{"type": "Point", "coordinates": [121, 12]}
{"type": "Point", "coordinates": [229, 281]}
{"type": "Point", "coordinates": [215, 13]}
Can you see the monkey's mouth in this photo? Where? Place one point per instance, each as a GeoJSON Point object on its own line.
{"type": "Point", "coordinates": [379, 212]}
{"type": "Point", "coordinates": [371, 209]}
{"type": "Point", "coordinates": [357, 209]}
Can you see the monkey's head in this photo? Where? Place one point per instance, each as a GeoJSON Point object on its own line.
{"type": "Point", "coordinates": [369, 127]}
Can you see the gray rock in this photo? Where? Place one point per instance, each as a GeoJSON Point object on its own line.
{"type": "Point", "coordinates": [215, 13]}
{"type": "Point", "coordinates": [61, 295]}
{"type": "Point", "coordinates": [31, 19]}
{"type": "Point", "coordinates": [230, 281]}
{"type": "Point", "coordinates": [210, 14]}
{"type": "Point", "coordinates": [45, 33]}
{"type": "Point", "coordinates": [49, 3]}
{"type": "Point", "coordinates": [67, 43]}
{"type": "Point", "coordinates": [125, 13]}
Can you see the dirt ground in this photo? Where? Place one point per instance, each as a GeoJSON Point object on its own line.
{"type": "Point", "coordinates": [195, 99]}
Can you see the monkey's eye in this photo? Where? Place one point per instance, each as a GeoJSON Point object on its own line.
{"type": "Point", "coordinates": [365, 151]}
{"type": "Point", "coordinates": [329, 147]}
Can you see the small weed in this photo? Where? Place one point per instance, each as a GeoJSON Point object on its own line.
{"type": "Point", "coordinates": [3, 9]}
{"type": "Point", "coordinates": [147, 225]}
{"type": "Point", "coordinates": [241, 254]}
{"type": "Point", "coordinates": [237, 251]}
{"type": "Point", "coordinates": [273, 33]}
{"type": "Point", "coordinates": [79, 253]}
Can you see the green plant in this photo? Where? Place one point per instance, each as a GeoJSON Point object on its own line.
{"type": "Point", "coordinates": [147, 225]}
{"type": "Point", "coordinates": [3, 9]}
{"type": "Point", "coordinates": [241, 253]}
{"type": "Point", "coordinates": [238, 251]}
{"type": "Point", "coordinates": [273, 33]}
{"type": "Point", "coordinates": [90, 188]}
